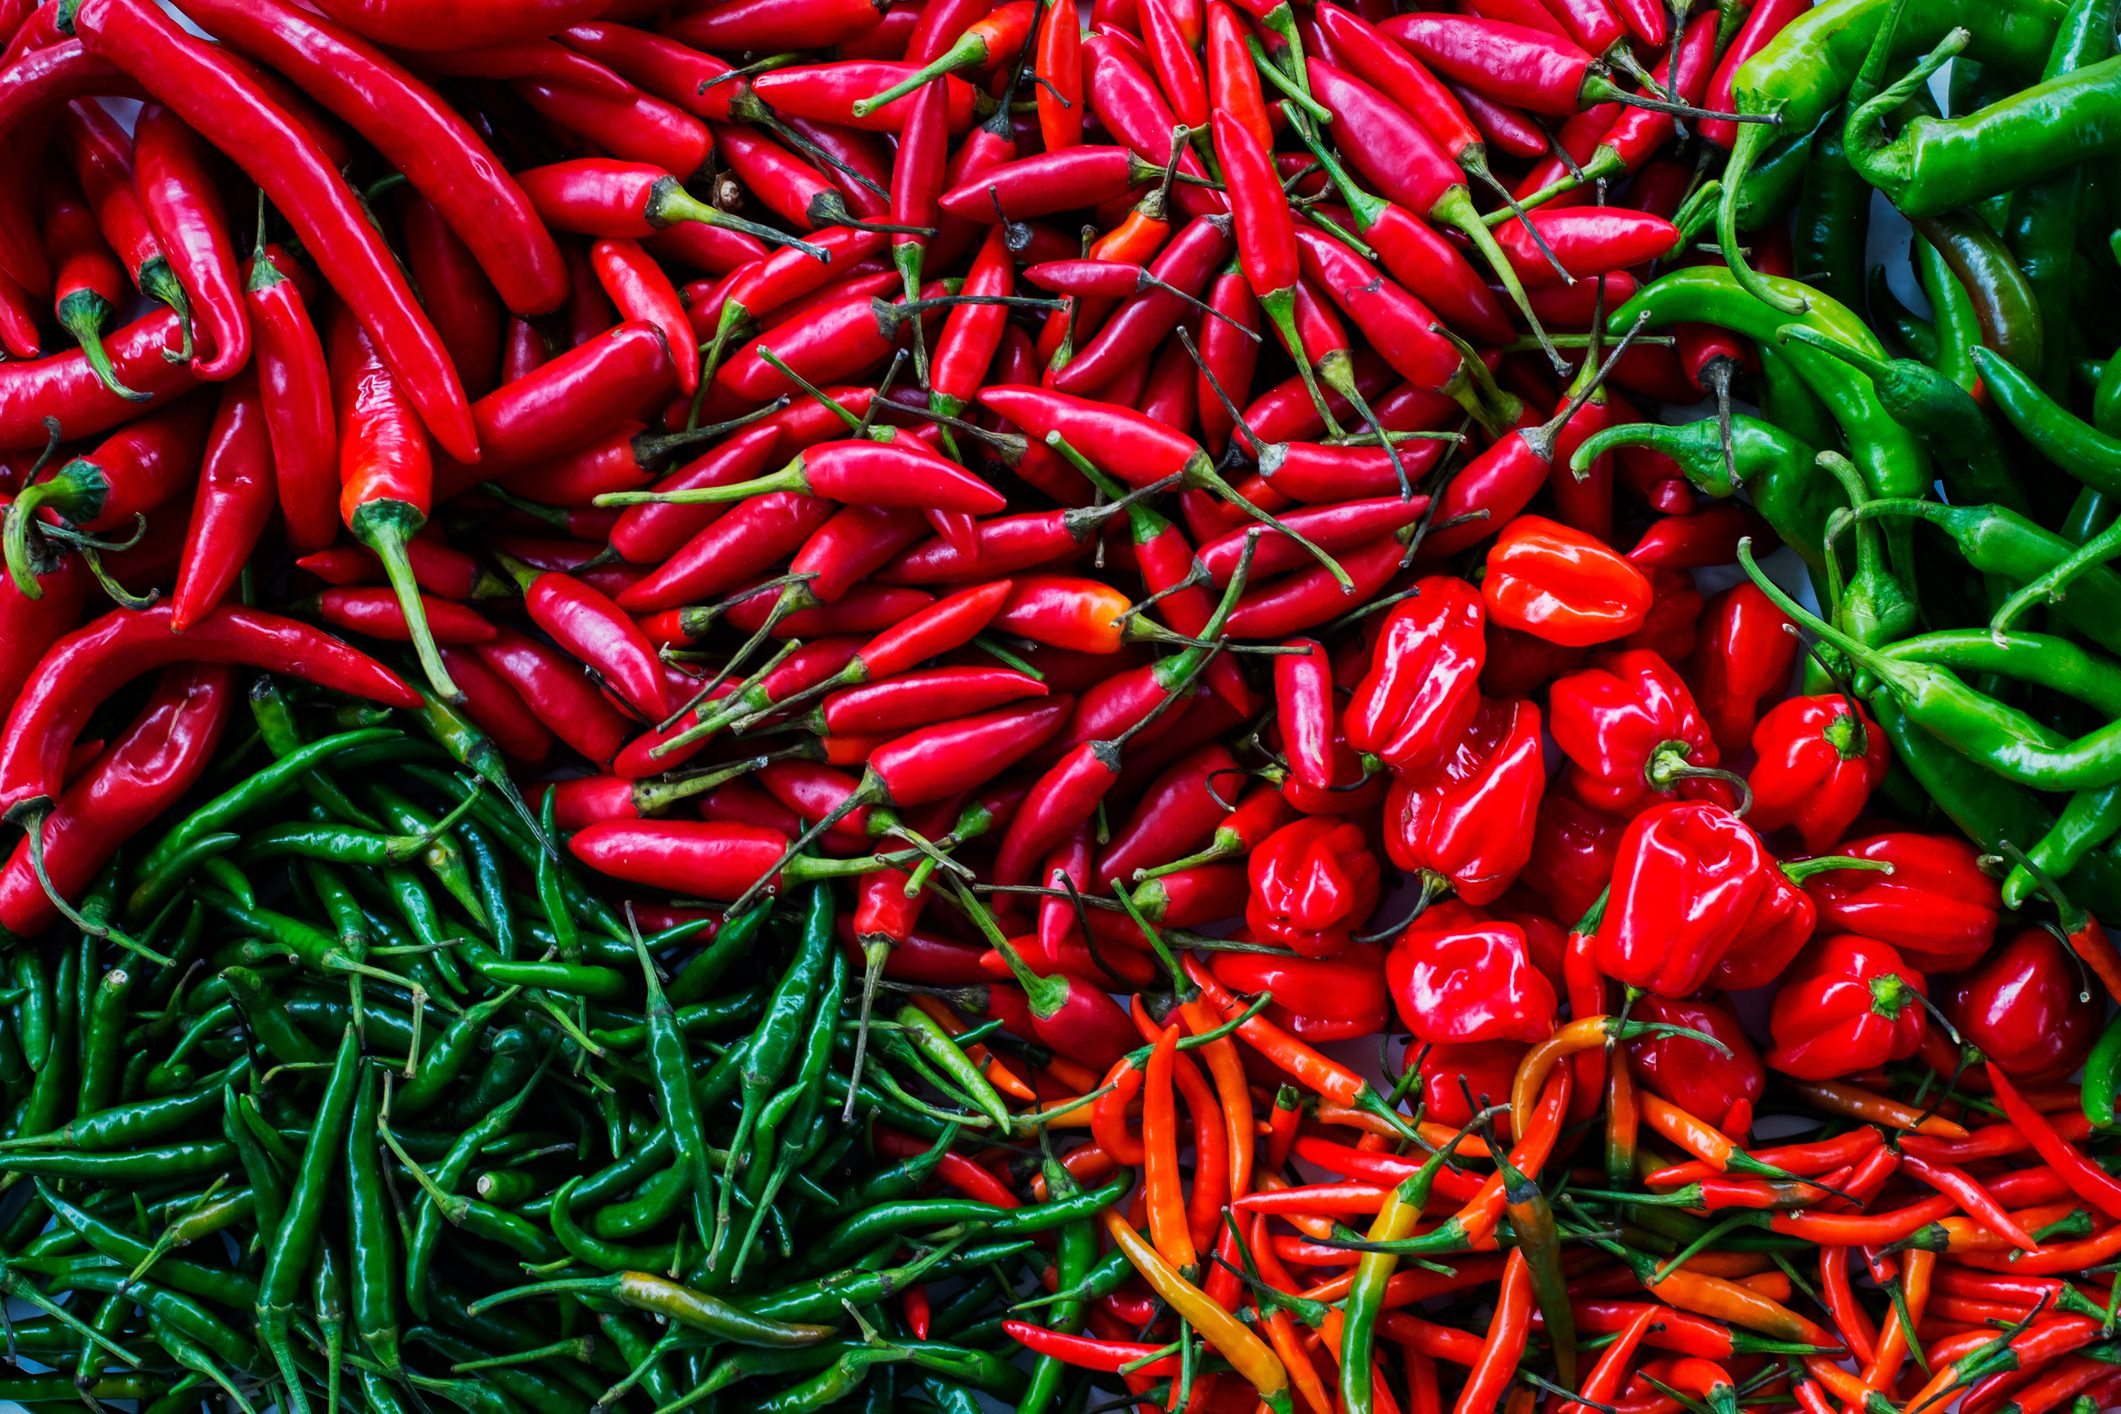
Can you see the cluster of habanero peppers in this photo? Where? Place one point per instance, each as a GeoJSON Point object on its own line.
{"type": "Point", "coordinates": [1062, 710]}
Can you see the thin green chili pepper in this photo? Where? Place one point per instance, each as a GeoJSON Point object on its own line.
{"type": "Point", "coordinates": [371, 1232]}
{"type": "Point", "coordinates": [287, 1257]}
{"type": "Point", "coordinates": [676, 1302]}
{"type": "Point", "coordinates": [429, 1212]}
{"type": "Point", "coordinates": [51, 1093]}
{"type": "Point", "coordinates": [226, 1288]}
{"type": "Point", "coordinates": [865, 1230]}
{"type": "Point", "coordinates": [232, 1346]}
{"type": "Point", "coordinates": [327, 1284]}
{"type": "Point", "coordinates": [773, 1044]}
{"type": "Point", "coordinates": [282, 736]}
{"type": "Point", "coordinates": [1833, 219]}
{"type": "Point", "coordinates": [806, 1103]}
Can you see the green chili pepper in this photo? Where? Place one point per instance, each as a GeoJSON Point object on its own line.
{"type": "Point", "coordinates": [287, 1256]}
{"type": "Point", "coordinates": [371, 1231]}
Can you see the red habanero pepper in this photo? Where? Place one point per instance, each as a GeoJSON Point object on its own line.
{"type": "Point", "coordinates": [83, 669]}
{"type": "Point", "coordinates": [557, 693]}
{"type": "Point", "coordinates": [1313, 882]}
{"type": "Point", "coordinates": [148, 768]}
{"type": "Point", "coordinates": [1557, 583]}
{"type": "Point", "coordinates": [1422, 689]}
{"type": "Point", "coordinates": [386, 474]}
{"type": "Point", "coordinates": [1936, 906]}
{"type": "Point", "coordinates": [1573, 849]}
{"type": "Point", "coordinates": [1466, 823]}
{"type": "Point", "coordinates": [1849, 1005]}
{"type": "Point", "coordinates": [1631, 731]}
{"type": "Point", "coordinates": [235, 501]}
{"type": "Point", "coordinates": [1780, 926]}
{"type": "Point", "coordinates": [1819, 760]}
{"type": "Point", "coordinates": [1458, 978]}
{"type": "Point", "coordinates": [1686, 881]}
{"type": "Point", "coordinates": [2022, 1006]}
{"type": "Point", "coordinates": [1721, 1086]}
{"type": "Point", "coordinates": [1319, 999]}
{"type": "Point", "coordinates": [1743, 655]}
{"type": "Point", "coordinates": [643, 292]}
{"type": "Point", "coordinates": [214, 94]}
{"type": "Point", "coordinates": [87, 282]}
{"type": "Point", "coordinates": [177, 190]}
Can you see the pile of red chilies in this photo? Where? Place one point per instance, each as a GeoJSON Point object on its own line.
{"type": "Point", "coordinates": [1123, 468]}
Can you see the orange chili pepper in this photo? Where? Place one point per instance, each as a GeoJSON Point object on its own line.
{"type": "Point", "coordinates": [1162, 1182]}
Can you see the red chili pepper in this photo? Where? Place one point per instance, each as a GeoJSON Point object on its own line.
{"type": "Point", "coordinates": [1049, 182]}
{"type": "Point", "coordinates": [87, 282]}
{"type": "Point", "coordinates": [379, 614]}
{"type": "Point", "coordinates": [772, 25]}
{"type": "Point", "coordinates": [1171, 285]}
{"type": "Point", "coordinates": [1762, 23]}
{"type": "Point", "coordinates": [183, 205]}
{"type": "Point", "coordinates": [1819, 760]}
{"type": "Point", "coordinates": [1685, 884]}
{"type": "Point", "coordinates": [134, 470]}
{"type": "Point", "coordinates": [1850, 1005]}
{"type": "Point", "coordinates": [598, 196]}
{"type": "Point", "coordinates": [100, 152]}
{"type": "Point", "coordinates": [1631, 731]}
{"type": "Point", "coordinates": [229, 109]}
{"type": "Point", "coordinates": [1467, 822]}
{"type": "Point", "coordinates": [1559, 584]}
{"type": "Point", "coordinates": [1319, 999]}
{"type": "Point", "coordinates": [235, 501]}
{"type": "Point", "coordinates": [87, 666]}
{"type": "Point", "coordinates": [2023, 1007]}
{"type": "Point", "coordinates": [1457, 978]}
{"type": "Point", "coordinates": [1936, 907]}
{"type": "Point", "coordinates": [150, 766]}
{"type": "Point", "coordinates": [642, 292]}
{"type": "Point", "coordinates": [415, 24]}
{"type": "Point", "coordinates": [1126, 100]}
{"type": "Point", "coordinates": [1058, 68]}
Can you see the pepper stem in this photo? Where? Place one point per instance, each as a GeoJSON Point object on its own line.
{"type": "Point", "coordinates": [1455, 209]}
{"type": "Point", "coordinates": [970, 51]}
{"type": "Point", "coordinates": [385, 527]}
{"type": "Point", "coordinates": [20, 515]}
{"type": "Point", "coordinates": [83, 314]}
{"type": "Point", "coordinates": [671, 204]}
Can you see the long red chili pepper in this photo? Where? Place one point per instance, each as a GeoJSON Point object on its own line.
{"type": "Point", "coordinates": [176, 185]}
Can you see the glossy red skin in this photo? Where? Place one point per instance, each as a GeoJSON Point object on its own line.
{"type": "Point", "coordinates": [1741, 657]}
{"type": "Point", "coordinates": [2022, 1007]}
{"type": "Point", "coordinates": [1780, 926]}
{"type": "Point", "coordinates": [1819, 759]}
{"type": "Point", "coordinates": [1423, 686]}
{"type": "Point", "coordinates": [1573, 849]}
{"type": "Point", "coordinates": [1320, 999]}
{"type": "Point", "coordinates": [1686, 883]}
{"type": "Point", "coordinates": [1936, 907]}
{"type": "Point", "coordinates": [1611, 719]}
{"type": "Point", "coordinates": [1313, 882]}
{"type": "Point", "coordinates": [1850, 1005]}
{"type": "Point", "coordinates": [1485, 1069]}
{"type": "Point", "coordinates": [1457, 977]}
{"type": "Point", "coordinates": [1469, 819]}
{"type": "Point", "coordinates": [1692, 1074]}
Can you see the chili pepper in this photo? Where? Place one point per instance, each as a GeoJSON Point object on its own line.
{"type": "Point", "coordinates": [234, 502]}
{"type": "Point", "coordinates": [1723, 1084]}
{"type": "Point", "coordinates": [1449, 945]}
{"type": "Point", "coordinates": [136, 469]}
{"type": "Point", "coordinates": [87, 282]}
{"type": "Point", "coordinates": [1631, 731]}
{"type": "Point", "coordinates": [2044, 1030]}
{"type": "Point", "coordinates": [1850, 1005]}
{"type": "Point", "coordinates": [1561, 585]}
{"type": "Point", "coordinates": [235, 115]}
{"type": "Point", "coordinates": [1693, 855]}
{"type": "Point", "coordinates": [183, 209]}
{"type": "Point", "coordinates": [294, 385]}
{"type": "Point", "coordinates": [1313, 882]}
{"type": "Point", "coordinates": [100, 152]}
{"type": "Point", "coordinates": [1421, 692]}
{"type": "Point", "coordinates": [87, 666]}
